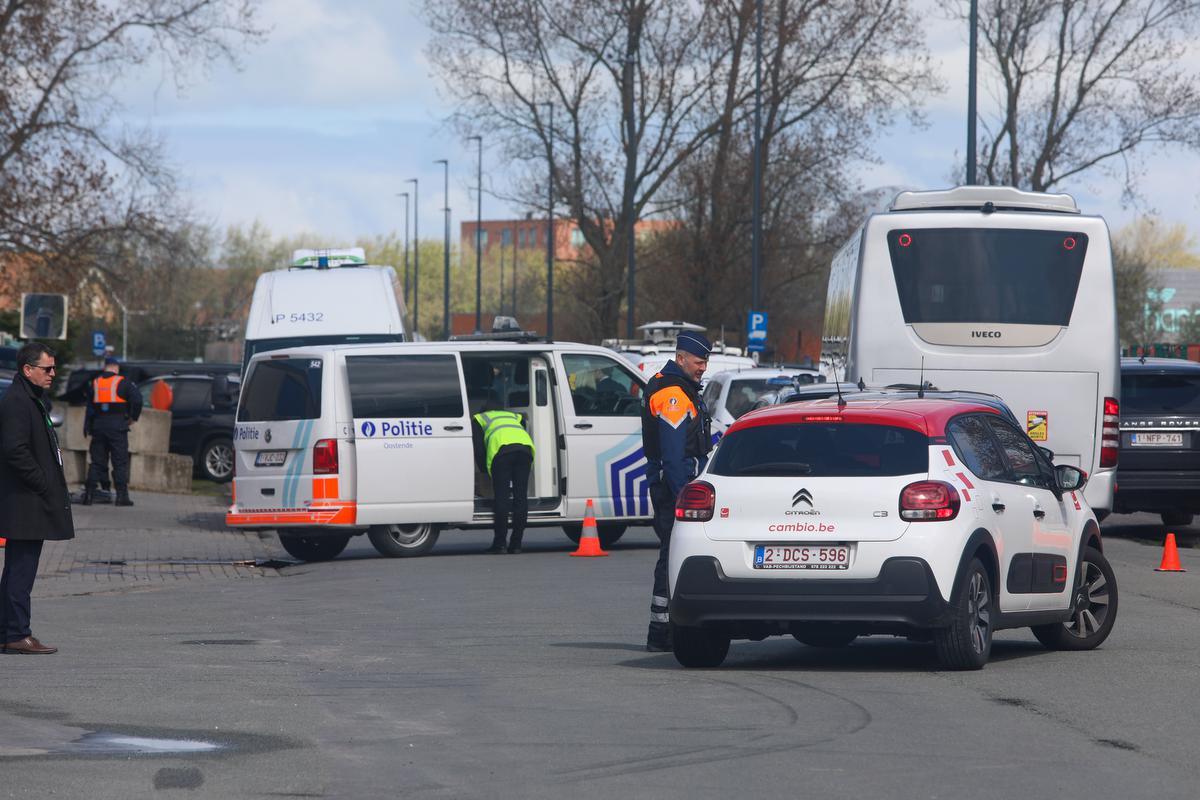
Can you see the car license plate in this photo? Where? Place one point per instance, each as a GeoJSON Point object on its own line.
{"type": "Point", "coordinates": [270, 458]}
{"type": "Point", "coordinates": [802, 556]}
{"type": "Point", "coordinates": [1156, 439]}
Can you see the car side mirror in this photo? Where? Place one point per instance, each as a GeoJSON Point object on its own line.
{"type": "Point", "coordinates": [1048, 453]}
{"type": "Point", "coordinates": [1068, 478]}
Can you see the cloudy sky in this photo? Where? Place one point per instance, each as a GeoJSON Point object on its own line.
{"type": "Point", "coordinates": [325, 120]}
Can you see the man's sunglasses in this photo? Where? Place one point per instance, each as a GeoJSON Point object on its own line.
{"type": "Point", "coordinates": [48, 369]}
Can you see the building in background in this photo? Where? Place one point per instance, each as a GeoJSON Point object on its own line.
{"type": "Point", "coordinates": [529, 234]}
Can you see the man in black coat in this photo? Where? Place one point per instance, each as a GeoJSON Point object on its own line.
{"type": "Point", "coordinates": [34, 503]}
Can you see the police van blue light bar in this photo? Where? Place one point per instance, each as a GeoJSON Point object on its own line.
{"type": "Point", "coordinates": [326, 258]}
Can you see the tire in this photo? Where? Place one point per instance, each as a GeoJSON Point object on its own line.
{"type": "Point", "coordinates": [609, 532]}
{"type": "Point", "coordinates": [1177, 518]}
{"type": "Point", "coordinates": [404, 541]}
{"type": "Point", "coordinates": [314, 548]}
{"type": "Point", "coordinates": [216, 460]}
{"type": "Point", "coordinates": [830, 635]}
{"type": "Point", "coordinates": [967, 642]}
{"type": "Point", "coordinates": [1093, 607]}
{"type": "Point", "coordinates": [698, 647]}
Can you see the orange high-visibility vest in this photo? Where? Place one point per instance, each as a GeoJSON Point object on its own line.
{"type": "Point", "coordinates": [104, 389]}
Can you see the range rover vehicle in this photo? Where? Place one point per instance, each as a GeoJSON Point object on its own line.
{"type": "Point", "coordinates": [1159, 470]}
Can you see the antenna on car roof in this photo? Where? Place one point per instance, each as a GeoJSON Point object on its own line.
{"type": "Point", "coordinates": [862, 387]}
{"type": "Point", "coordinates": [921, 381]}
{"type": "Point", "coordinates": [838, 386]}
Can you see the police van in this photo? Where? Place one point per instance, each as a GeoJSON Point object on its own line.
{"type": "Point", "coordinates": [334, 441]}
{"type": "Point", "coordinates": [327, 297]}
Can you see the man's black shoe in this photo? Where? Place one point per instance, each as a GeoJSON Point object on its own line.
{"type": "Point", "coordinates": [658, 647]}
{"type": "Point", "coordinates": [123, 500]}
{"type": "Point", "coordinates": [86, 500]}
{"type": "Point", "coordinates": [496, 548]}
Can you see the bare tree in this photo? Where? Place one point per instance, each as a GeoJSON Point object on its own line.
{"type": "Point", "coordinates": [629, 82]}
{"type": "Point", "coordinates": [70, 176]}
{"type": "Point", "coordinates": [1084, 85]}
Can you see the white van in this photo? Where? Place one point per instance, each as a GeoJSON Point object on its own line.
{"type": "Point", "coordinates": [995, 290]}
{"type": "Point", "coordinates": [324, 297]}
{"type": "Point", "coordinates": [337, 440]}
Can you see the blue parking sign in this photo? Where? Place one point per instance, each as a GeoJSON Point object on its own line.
{"type": "Point", "coordinates": [99, 345]}
{"type": "Point", "coordinates": [756, 331]}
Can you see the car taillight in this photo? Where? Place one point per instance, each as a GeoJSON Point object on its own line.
{"type": "Point", "coordinates": [928, 501]}
{"type": "Point", "coordinates": [1110, 433]}
{"type": "Point", "coordinates": [325, 457]}
{"type": "Point", "coordinates": [696, 502]}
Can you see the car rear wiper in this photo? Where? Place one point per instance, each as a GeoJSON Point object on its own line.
{"type": "Point", "coordinates": [777, 468]}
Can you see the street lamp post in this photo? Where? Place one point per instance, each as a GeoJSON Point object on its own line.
{"type": "Point", "coordinates": [756, 201]}
{"type": "Point", "coordinates": [972, 46]}
{"type": "Point", "coordinates": [549, 231]}
{"type": "Point", "coordinates": [446, 249]}
{"type": "Point", "coordinates": [416, 255]}
{"type": "Point", "coordinates": [405, 196]}
{"type": "Point", "coordinates": [478, 236]}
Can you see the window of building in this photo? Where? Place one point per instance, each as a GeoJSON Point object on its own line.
{"type": "Point", "coordinates": [506, 236]}
{"type": "Point", "coordinates": [520, 237]}
{"type": "Point", "coordinates": [577, 239]}
{"type": "Point", "coordinates": [483, 237]}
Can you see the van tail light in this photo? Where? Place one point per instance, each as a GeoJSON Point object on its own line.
{"type": "Point", "coordinates": [929, 501]}
{"type": "Point", "coordinates": [325, 457]}
{"type": "Point", "coordinates": [696, 502]}
{"type": "Point", "coordinates": [1110, 433]}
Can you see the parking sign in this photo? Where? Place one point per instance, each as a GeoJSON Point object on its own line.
{"type": "Point", "coordinates": [756, 331]}
{"type": "Point", "coordinates": [98, 343]}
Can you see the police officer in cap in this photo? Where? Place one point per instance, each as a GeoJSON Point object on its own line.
{"type": "Point", "coordinates": [677, 437]}
{"type": "Point", "coordinates": [113, 404]}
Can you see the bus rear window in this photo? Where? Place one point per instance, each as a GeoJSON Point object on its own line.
{"type": "Point", "coordinates": [282, 389]}
{"type": "Point", "coordinates": [973, 275]}
{"type": "Point", "coordinates": [822, 450]}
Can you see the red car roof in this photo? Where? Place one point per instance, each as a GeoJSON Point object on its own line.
{"type": "Point", "coordinates": [928, 416]}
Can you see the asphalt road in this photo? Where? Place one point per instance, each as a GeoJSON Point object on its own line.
{"type": "Point", "coordinates": [466, 675]}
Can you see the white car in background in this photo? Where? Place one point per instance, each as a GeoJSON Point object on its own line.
{"type": "Point", "coordinates": [729, 394]}
{"type": "Point", "coordinates": [927, 518]}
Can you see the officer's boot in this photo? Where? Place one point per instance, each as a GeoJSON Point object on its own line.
{"type": "Point", "coordinates": [658, 638]}
{"type": "Point", "coordinates": [89, 494]}
{"type": "Point", "coordinates": [122, 496]}
{"type": "Point", "coordinates": [514, 541]}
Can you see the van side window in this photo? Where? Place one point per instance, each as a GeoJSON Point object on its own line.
{"type": "Point", "coordinates": [282, 389]}
{"type": "Point", "coordinates": [601, 387]}
{"type": "Point", "coordinates": [404, 386]}
{"type": "Point", "coordinates": [976, 447]}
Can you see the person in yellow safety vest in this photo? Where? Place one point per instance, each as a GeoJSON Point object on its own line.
{"type": "Point", "coordinates": [113, 403]}
{"type": "Point", "coordinates": [504, 450]}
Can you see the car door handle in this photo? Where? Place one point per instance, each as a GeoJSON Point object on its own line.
{"type": "Point", "coordinates": [1039, 514]}
{"type": "Point", "coordinates": [452, 427]}
{"type": "Point", "coordinates": [583, 426]}
{"type": "Point", "coordinates": [998, 507]}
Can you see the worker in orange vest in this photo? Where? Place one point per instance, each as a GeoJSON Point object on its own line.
{"type": "Point", "coordinates": [113, 403]}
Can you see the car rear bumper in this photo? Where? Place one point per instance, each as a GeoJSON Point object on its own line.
{"type": "Point", "coordinates": [905, 595]}
{"type": "Point", "coordinates": [1157, 490]}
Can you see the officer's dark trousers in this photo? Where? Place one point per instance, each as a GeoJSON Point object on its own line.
{"type": "Point", "coordinates": [109, 441]}
{"type": "Point", "coordinates": [663, 501]}
{"type": "Point", "coordinates": [16, 584]}
{"type": "Point", "coordinates": [510, 487]}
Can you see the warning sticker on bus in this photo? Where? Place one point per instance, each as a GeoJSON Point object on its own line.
{"type": "Point", "coordinates": [1037, 425]}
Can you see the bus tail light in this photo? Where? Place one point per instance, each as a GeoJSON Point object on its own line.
{"type": "Point", "coordinates": [696, 502]}
{"type": "Point", "coordinates": [1110, 433]}
{"type": "Point", "coordinates": [929, 501]}
{"type": "Point", "coordinates": [325, 457]}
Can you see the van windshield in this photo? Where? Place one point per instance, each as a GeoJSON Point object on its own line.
{"type": "Point", "coordinates": [821, 450]}
{"type": "Point", "coordinates": [972, 275]}
{"type": "Point", "coordinates": [282, 389]}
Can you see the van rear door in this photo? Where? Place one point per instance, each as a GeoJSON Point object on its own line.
{"type": "Point", "coordinates": [278, 423]}
{"type": "Point", "coordinates": [412, 437]}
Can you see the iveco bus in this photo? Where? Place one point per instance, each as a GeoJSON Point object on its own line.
{"type": "Point", "coordinates": [992, 289]}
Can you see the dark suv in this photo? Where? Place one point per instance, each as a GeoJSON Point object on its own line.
{"type": "Point", "coordinates": [202, 414]}
{"type": "Point", "coordinates": [1159, 465]}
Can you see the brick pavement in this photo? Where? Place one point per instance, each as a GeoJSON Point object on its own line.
{"type": "Point", "coordinates": [162, 539]}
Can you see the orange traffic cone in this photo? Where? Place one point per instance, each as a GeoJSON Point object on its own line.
{"type": "Point", "coordinates": [1170, 558]}
{"type": "Point", "coordinates": [589, 540]}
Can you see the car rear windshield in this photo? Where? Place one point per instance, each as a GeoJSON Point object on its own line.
{"type": "Point", "coordinates": [282, 389]}
{"type": "Point", "coordinates": [822, 449]}
{"type": "Point", "coordinates": [1160, 394]}
{"type": "Point", "coordinates": [1006, 276]}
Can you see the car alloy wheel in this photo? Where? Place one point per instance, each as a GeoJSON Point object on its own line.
{"type": "Point", "coordinates": [1093, 607]}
